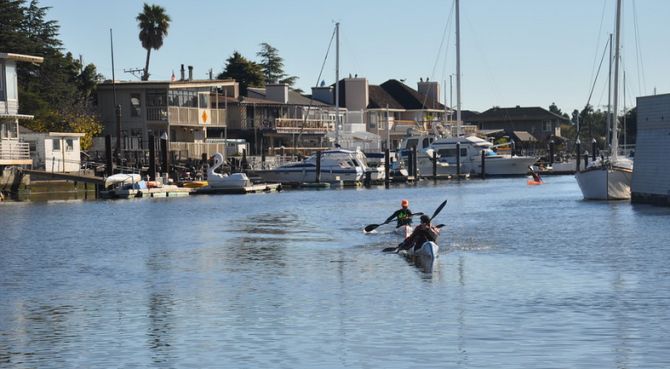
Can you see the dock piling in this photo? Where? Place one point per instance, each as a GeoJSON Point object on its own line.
{"type": "Point", "coordinates": [387, 170]}
{"type": "Point", "coordinates": [483, 164]}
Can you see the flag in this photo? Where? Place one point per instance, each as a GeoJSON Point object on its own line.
{"type": "Point", "coordinates": [173, 78]}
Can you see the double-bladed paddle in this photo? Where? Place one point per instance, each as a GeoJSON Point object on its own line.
{"type": "Point", "coordinates": [437, 211]}
{"type": "Point", "coordinates": [372, 227]}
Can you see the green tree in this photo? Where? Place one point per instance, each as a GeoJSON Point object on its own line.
{"type": "Point", "coordinates": [245, 72]}
{"type": "Point", "coordinates": [59, 89]}
{"type": "Point", "coordinates": [273, 66]}
{"type": "Point", "coordinates": [554, 109]}
{"type": "Point", "coordinates": [154, 24]}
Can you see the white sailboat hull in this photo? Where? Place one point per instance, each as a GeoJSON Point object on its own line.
{"type": "Point", "coordinates": [605, 183]}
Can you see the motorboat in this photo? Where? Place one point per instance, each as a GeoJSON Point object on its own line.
{"type": "Point", "coordinates": [471, 147]}
{"type": "Point", "coordinates": [336, 165]}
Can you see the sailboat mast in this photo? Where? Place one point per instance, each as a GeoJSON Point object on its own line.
{"type": "Point", "coordinates": [609, 97]}
{"type": "Point", "coordinates": [458, 70]}
{"type": "Point", "coordinates": [615, 138]}
{"type": "Point", "coordinates": [337, 83]}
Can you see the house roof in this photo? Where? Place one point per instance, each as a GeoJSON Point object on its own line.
{"type": "Point", "coordinates": [497, 114]}
{"type": "Point", "coordinates": [408, 97]}
{"type": "Point", "coordinates": [294, 97]}
{"type": "Point", "coordinates": [380, 99]}
{"type": "Point", "coordinates": [524, 136]}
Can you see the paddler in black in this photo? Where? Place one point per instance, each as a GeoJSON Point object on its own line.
{"type": "Point", "coordinates": [422, 233]}
{"type": "Point", "coordinates": [403, 215]}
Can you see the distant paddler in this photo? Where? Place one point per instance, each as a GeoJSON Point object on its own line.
{"type": "Point", "coordinates": [403, 217]}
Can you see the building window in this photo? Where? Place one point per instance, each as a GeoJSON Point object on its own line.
{"type": "Point", "coordinates": [135, 105]}
{"type": "Point", "coordinates": [55, 144]}
{"type": "Point", "coordinates": [69, 144]}
{"type": "Point", "coordinates": [547, 126]}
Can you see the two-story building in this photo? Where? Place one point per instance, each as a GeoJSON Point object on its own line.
{"type": "Point", "coordinates": [187, 110]}
{"type": "Point", "coordinates": [523, 124]}
{"type": "Point", "coordinates": [13, 152]}
{"type": "Point", "coordinates": [389, 110]}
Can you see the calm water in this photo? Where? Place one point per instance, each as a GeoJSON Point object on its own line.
{"type": "Point", "coordinates": [527, 277]}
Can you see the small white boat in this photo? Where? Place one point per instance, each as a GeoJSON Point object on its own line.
{"type": "Point", "coordinates": [218, 181]}
{"type": "Point", "coordinates": [610, 180]}
{"type": "Point", "coordinates": [122, 179]}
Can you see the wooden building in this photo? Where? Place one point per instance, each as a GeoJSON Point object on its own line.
{"type": "Point", "coordinates": [651, 172]}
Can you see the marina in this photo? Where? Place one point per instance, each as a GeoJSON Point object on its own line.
{"type": "Point", "coordinates": [168, 204]}
{"type": "Point", "coordinates": [526, 276]}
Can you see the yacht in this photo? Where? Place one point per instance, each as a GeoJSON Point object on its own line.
{"type": "Point", "coordinates": [471, 148]}
{"type": "Point", "coordinates": [336, 165]}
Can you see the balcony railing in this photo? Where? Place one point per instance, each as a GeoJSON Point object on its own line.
{"type": "Point", "coordinates": [181, 116]}
{"type": "Point", "coordinates": [12, 150]}
{"type": "Point", "coordinates": [190, 116]}
{"type": "Point", "coordinates": [291, 125]}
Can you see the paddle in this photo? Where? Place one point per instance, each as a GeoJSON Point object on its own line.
{"type": "Point", "coordinates": [372, 227]}
{"type": "Point", "coordinates": [437, 211]}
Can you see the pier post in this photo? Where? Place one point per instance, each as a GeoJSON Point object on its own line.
{"type": "Point", "coordinates": [434, 165]}
{"type": "Point", "coordinates": [318, 167]}
{"type": "Point", "coordinates": [109, 169]}
{"type": "Point", "coordinates": [594, 148]}
{"type": "Point", "coordinates": [152, 157]}
{"type": "Point", "coordinates": [458, 160]}
{"type": "Point", "coordinates": [387, 169]}
{"type": "Point", "coordinates": [578, 149]}
{"type": "Point", "coordinates": [551, 153]}
{"type": "Point", "coordinates": [586, 160]}
{"type": "Point", "coordinates": [414, 163]}
{"type": "Point", "coordinates": [164, 155]}
{"type": "Point", "coordinates": [483, 164]}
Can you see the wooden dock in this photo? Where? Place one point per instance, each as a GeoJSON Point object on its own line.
{"type": "Point", "coordinates": [256, 188]}
{"type": "Point", "coordinates": [64, 176]}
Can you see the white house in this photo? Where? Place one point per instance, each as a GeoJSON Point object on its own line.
{"type": "Point", "coordinates": [12, 151]}
{"type": "Point", "coordinates": [55, 151]}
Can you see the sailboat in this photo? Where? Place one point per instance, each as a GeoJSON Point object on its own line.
{"type": "Point", "coordinates": [609, 178]}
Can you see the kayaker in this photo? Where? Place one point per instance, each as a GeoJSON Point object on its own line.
{"type": "Point", "coordinates": [403, 215]}
{"type": "Point", "coordinates": [422, 233]}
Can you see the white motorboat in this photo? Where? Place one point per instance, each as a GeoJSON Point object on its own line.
{"type": "Point", "coordinates": [336, 165]}
{"type": "Point", "coordinates": [218, 181]}
{"type": "Point", "coordinates": [471, 148]}
{"type": "Point", "coordinates": [609, 178]}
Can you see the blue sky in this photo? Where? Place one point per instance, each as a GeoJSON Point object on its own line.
{"type": "Point", "coordinates": [514, 52]}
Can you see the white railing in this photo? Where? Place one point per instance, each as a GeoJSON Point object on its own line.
{"type": "Point", "coordinates": [11, 150]}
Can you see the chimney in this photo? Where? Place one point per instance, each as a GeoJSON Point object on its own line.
{"type": "Point", "coordinates": [323, 94]}
{"type": "Point", "coordinates": [182, 73]}
{"type": "Point", "coordinates": [277, 92]}
{"type": "Point", "coordinates": [356, 94]}
{"type": "Point", "coordinates": [429, 89]}
{"type": "Point", "coordinates": [190, 73]}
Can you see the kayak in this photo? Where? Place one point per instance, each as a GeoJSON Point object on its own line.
{"type": "Point", "coordinates": [532, 182]}
{"type": "Point", "coordinates": [429, 249]}
{"type": "Point", "coordinates": [424, 257]}
{"type": "Point", "coordinates": [403, 231]}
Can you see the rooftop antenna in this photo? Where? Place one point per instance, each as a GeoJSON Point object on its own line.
{"type": "Point", "coordinates": [137, 72]}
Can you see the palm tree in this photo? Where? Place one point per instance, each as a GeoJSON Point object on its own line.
{"type": "Point", "coordinates": [154, 24]}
